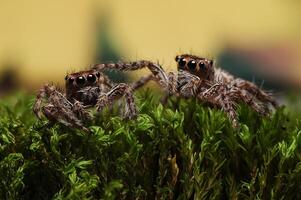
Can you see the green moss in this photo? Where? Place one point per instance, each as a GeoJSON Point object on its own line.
{"type": "Point", "coordinates": [136, 159]}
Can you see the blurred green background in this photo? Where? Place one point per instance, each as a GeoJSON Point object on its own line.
{"type": "Point", "coordinates": [41, 41]}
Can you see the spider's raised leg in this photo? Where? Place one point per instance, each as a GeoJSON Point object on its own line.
{"type": "Point", "coordinates": [117, 92]}
{"type": "Point", "coordinates": [256, 92]}
{"type": "Point", "coordinates": [156, 69]}
{"type": "Point", "coordinates": [141, 82]}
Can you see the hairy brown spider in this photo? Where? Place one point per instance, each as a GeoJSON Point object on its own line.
{"type": "Point", "coordinates": [90, 88]}
{"type": "Point", "coordinates": [197, 77]}
{"type": "Point", "coordinates": [84, 89]}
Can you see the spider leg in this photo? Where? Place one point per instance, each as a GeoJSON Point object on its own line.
{"type": "Point", "coordinates": [172, 87]}
{"type": "Point", "coordinates": [156, 69]}
{"type": "Point", "coordinates": [120, 90]}
{"type": "Point", "coordinates": [64, 116]}
{"type": "Point", "coordinates": [142, 81]}
{"type": "Point", "coordinates": [229, 107]}
{"type": "Point", "coordinates": [172, 83]}
{"type": "Point", "coordinates": [217, 95]}
{"type": "Point", "coordinates": [37, 107]}
{"type": "Point", "coordinates": [247, 98]}
{"type": "Point", "coordinates": [256, 92]}
{"type": "Point", "coordinates": [58, 109]}
{"type": "Point", "coordinates": [79, 110]}
{"type": "Point", "coordinates": [106, 81]}
{"type": "Point", "coordinates": [190, 85]}
{"type": "Point", "coordinates": [54, 96]}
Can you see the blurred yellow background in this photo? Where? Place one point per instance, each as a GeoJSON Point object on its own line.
{"type": "Point", "coordinates": [43, 40]}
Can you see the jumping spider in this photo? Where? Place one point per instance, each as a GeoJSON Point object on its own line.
{"type": "Point", "coordinates": [86, 89]}
{"type": "Point", "coordinates": [197, 77]}
{"type": "Point", "coordinates": [83, 90]}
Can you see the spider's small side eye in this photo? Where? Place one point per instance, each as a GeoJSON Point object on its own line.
{"type": "Point", "coordinates": [70, 80]}
{"type": "Point", "coordinates": [202, 65]}
{"type": "Point", "coordinates": [211, 62]}
{"type": "Point", "coordinates": [177, 58]}
{"type": "Point", "coordinates": [98, 74]}
{"type": "Point", "coordinates": [191, 64]}
{"type": "Point", "coordinates": [91, 78]}
{"type": "Point", "coordinates": [66, 77]}
{"type": "Point", "coordinates": [182, 62]}
{"type": "Point", "coordinates": [80, 80]}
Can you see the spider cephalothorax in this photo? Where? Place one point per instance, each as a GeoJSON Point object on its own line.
{"type": "Point", "coordinates": [197, 77]}
{"type": "Point", "coordinates": [77, 81]}
{"type": "Point", "coordinates": [201, 67]}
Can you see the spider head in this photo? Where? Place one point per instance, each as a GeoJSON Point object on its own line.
{"type": "Point", "coordinates": [82, 79]}
{"type": "Point", "coordinates": [201, 67]}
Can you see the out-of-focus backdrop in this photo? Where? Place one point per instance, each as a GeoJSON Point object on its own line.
{"type": "Point", "coordinates": [41, 41]}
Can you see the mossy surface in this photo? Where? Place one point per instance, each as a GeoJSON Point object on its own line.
{"type": "Point", "coordinates": [184, 150]}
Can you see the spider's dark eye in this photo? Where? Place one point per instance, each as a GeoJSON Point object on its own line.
{"type": "Point", "coordinates": [80, 80]}
{"type": "Point", "coordinates": [177, 58]}
{"type": "Point", "coordinates": [182, 62]}
{"type": "Point", "coordinates": [202, 65]}
{"type": "Point", "coordinates": [211, 62]}
{"type": "Point", "coordinates": [98, 74]}
{"type": "Point", "coordinates": [91, 78]}
{"type": "Point", "coordinates": [66, 77]}
{"type": "Point", "coordinates": [191, 64]}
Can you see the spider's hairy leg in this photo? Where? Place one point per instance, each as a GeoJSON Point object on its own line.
{"type": "Point", "coordinates": [39, 101]}
{"type": "Point", "coordinates": [142, 81]}
{"type": "Point", "coordinates": [106, 81]}
{"type": "Point", "coordinates": [48, 92]}
{"type": "Point", "coordinates": [256, 92]}
{"type": "Point", "coordinates": [64, 116]}
{"type": "Point", "coordinates": [172, 87]}
{"type": "Point", "coordinates": [190, 85]}
{"type": "Point", "coordinates": [218, 96]}
{"type": "Point", "coordinates": [156, 69]}
{"type": "Point", "coordinates": [116, 93]}
{"type": "Point", "coordinates": [229, 107]}
{"type": "Point", "coordinates": [79, 110]}
{"type": "Point", "coordinates": [58, 107]}
{"type": "Point", "coordinates": [172, 83]}
{"type": "Point", "coordinates": [247, 98]}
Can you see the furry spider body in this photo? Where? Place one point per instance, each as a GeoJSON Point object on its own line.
{"type": "Point", "coordinates": [197, 77]}
{"type": "Point", "coordinates": [84, 89]}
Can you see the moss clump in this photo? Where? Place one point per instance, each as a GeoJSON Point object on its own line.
{"type": "Point", "coordinates": [184, 150]}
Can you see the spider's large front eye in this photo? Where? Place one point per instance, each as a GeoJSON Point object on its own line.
{"type": "Point", "coordinates": [182, 62]}
{"type": "Point", "coordinates": [191, 64]}
{"type": "Point", "coordinates": [202, 65]}
{"type": "Point", "coordinates": [80, 80]}
{"type": "Point", "coordinates": [91, 78]}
